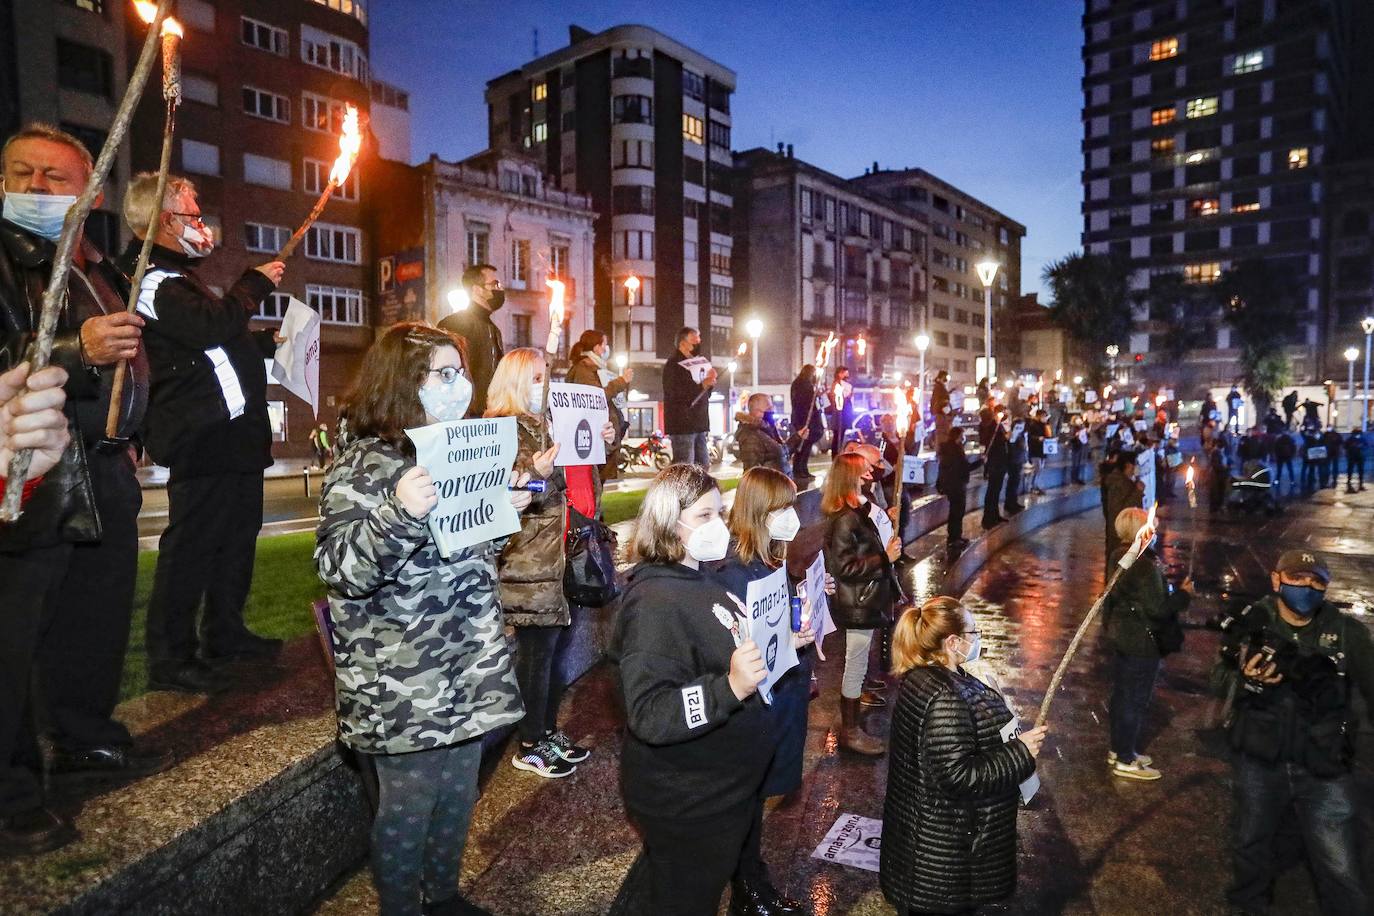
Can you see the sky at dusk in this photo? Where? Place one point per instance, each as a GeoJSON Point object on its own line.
{"type": "Point", "coordinates": [982, 93]}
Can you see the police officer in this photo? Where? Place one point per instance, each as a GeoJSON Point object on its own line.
{"type": "Point", "coordinates": [1288, 661]}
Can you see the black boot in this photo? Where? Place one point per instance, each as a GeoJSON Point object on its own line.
{"type": "Point", "coordinates": [759, 898]}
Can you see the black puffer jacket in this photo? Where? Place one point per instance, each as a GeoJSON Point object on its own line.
{"type": "Point", "coordinates": [866, 586]}
{"type": "Point", "coordinates": [949, 823]}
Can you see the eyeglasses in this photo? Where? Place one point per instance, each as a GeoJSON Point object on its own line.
{"type": "Point", "coordinates": [449, 374]}
{"type": "Point", "coordinates": [978, 633]}
{"type": "Point", "coordinates": [191, 216]}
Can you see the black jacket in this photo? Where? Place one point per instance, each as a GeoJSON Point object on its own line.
{"type": "Point", "coordinates": [955, 469]}
{"type": "Point", "coordinates": [692, 749]}
{"type": "Point", "coordinates": [208, 411]}
{"type": "Point", "coordinates": [484, 350]}
{"type": "Point", "coordinates": [949, 822]}
{"type": "Point", "coordinates": [759, 444]}
{"type": "Point", "coordinates": [939, 398]}
{"type": "Point", "coordinates": [686, 404]}
{"type": "Point", "coordinates": [866, 586]}
{"type": "Point", "coordinates": [805, 412]}
{"type": "Point", "coordinates": [62, 509]}
{"type": "Point", "coordinates": [1138, 603]}
{"type": "Point", "coordinates": [997, 451]}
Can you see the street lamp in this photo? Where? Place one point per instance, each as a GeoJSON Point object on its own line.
{"type": "Point", "coordinates": [1112, 351]}
{"type": "Point", "coordinates": [987, 272]}
{"type": "Point", "coordinates": [631, 288]}
{"type": "Point", "coordinates": [1351, 354]}
{"type": "Point", "coordinates": [1078, 379]}
{"type": "Point", "coordinates": [1367, 325]}
{"type": "Point", "coordinates": [754, 328]}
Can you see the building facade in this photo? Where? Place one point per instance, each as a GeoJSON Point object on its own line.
{"type": "Point", "coordinates": [1209, 132]}
{"type": "Point", "coordinates": [963, 232]}
{"type": "Point", "coordinates": [391, 121]}
{"type": "Point", "coordinates": [817, 255]}
{"type": "Point", "coordinates": [640, 124]}
{"type": "Point", "coordinates": [1351, 274]}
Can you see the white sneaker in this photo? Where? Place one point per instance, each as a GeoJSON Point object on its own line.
{"type": "Point", "coordinates": [1142, 759]}
{"type": "Point", "coordinates": [1135, 770]}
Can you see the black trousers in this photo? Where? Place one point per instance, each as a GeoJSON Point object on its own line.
{"type": "Point", "coordinates": [207, 554]}
{"type": "Point", "coordinates": [991, 495]}
{"type": "Point", "coordinates": [685, 864]}
{"type": "Point", "coordinates": [1353, 467]}
{"type": "Point", "coordinates": [536, 663]}
{"type": "Point", "coordinates": [958, 506]}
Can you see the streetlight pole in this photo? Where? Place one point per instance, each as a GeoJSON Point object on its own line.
{"type": "Point", "coordinates": [1367, 325]}
{"type": "Point", "coordinates": [987, 272]}
{"type": "Point", "coordinates": [1112, 351]}
{"type": "Point", "coordinates": [754, 328]}
{"type": "Point", "coordinates": [1351, 354]}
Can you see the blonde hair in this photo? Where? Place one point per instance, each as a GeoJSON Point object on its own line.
{"type": "Point", "coordinates": [843, 483]}
{"type": "Point", "coordinates": [138, 199]}
{"type": "Point", "coordinates": [760, 492]}
{"type": "Point", "coordinates": [919, 635]}
{"type": "Point", "coordinates": [1129, 521]}
{"type": "Point", "coordinates": [508, 393]}
{"type": "Point", "coordinates": [655, 538]}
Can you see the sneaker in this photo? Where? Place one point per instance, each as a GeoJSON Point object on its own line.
{"type": "Point", "coordinates": [872, 700]}
{"type": "Point", "coordinates": [1142, 759]}
{"type": "Point", "coordinates": [542, 759]}
{"type": "Point", "coordinates": [563, 745]}
{"type": "Point", "coordinates": [1135, 770]}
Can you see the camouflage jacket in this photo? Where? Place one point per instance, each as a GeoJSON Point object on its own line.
{"type": "Point", "coordinates": [421, 658]}
{"type": "Point", "coordinates": [531, 564]}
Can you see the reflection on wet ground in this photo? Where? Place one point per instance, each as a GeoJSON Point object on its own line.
{"type": "Point", "coordinates": [1089, 843]}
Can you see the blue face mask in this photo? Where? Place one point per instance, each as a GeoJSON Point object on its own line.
{"type": "Point", "coordinates": [41, 214]}
{"type": "Point", "coordinates": [1302, 600]}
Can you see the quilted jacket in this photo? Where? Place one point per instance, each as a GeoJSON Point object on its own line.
{"type": "Point", "coordinates": [949, 823]}
{"type": "Point", "coordinates": [866, 586]}
{"type": "Point", "coordinates": [531, 564]}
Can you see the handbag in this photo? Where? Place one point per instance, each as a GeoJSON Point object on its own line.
{"type": "Point", "coordinates": [589, 577]}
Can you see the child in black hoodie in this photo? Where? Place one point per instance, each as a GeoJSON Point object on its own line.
{"type": "Point", "coordinates": [698, 742]}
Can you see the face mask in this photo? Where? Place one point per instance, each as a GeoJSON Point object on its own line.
{"type": "Point", "coordinates": [974, 652]}
{"type": "Point", "coordinates": [535, 400]}
{"type": "Point", "coordinates": [447, 400]}
{"type": "Point", "coordinates": [41, 214]}
{"type": "Point", "coordinates": [1301, 599]}
{"type": "Point", "coordinates": [498, 299]}
{"type": "Point", "coordinates": [783, 524]}
{"type": "Point", "coordinates": [708, 542]}
{"type": "Point", "coordinates": [195, 243]}
{"type": "Point", "coordinates": [696, 350]}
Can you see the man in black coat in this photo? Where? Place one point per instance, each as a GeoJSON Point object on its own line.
{"type": "Point", "coordinates": [841, 409]}
{"type": "Point", "coordinates": [687, 401]}
{"type": "Point", "coordinates": [475, 327]}
{"type": "Point", "coordinates": [808, 420]}
{"type": "Point", "coordinates": [68, 565]}
{"type": "Point", "coordinates": [953, 484]}
{"type": "Point", "coordinates": [208, 425]}
{"type": "Point", "coordinates": [997, 464]}
{"type": "Point", "coordinates": [940, 407]}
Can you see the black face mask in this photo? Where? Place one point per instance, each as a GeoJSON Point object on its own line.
{"type": "Point", "coordinates": [498, 299]}
{"type": "Point", "coordinates": [696, 349]}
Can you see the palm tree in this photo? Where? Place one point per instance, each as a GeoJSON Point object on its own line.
{"type": "Point", "coordinates": [1261, 304]}
{"type": "Point", "coordinates": [1090, 297]}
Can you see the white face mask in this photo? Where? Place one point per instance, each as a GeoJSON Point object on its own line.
{"type": "Point", "coordinates": [709, 541]}
{"type": "Point", "coordinates": [534, 401]}
{"type": "Point", "coordinates": [447, 400]}
{"type": "Point", "coordinates": [195, 243]}
{"type": "Point", "coordinates": [41, 214]}
{"type": "Point", "coordinates": [783, 524]}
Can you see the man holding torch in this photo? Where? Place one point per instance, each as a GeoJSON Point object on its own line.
{"type": "Point", "coordinates": [67, 565]}
{"type": "Point", "coordinates": [208, 424]}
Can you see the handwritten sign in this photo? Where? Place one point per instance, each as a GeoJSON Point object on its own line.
{"type": "Point", "coordinates": [770, 626]}
{"type": "Point", "coordinates": [913, 469]}
{"type": "Point", "coordinates": [854, 840]}
{"type": "Point", "coordinates": [818, 602]}
{"type": "Point", "coordinates": [576, 415]}
{"type": "Point", "coordinates": [296, 364]}
{"type": "Point", "coordinates": [881, 522]}
{"type": "Point", "coordinates": [698, 367]}
{"type": "Point", "coordinates": [470, 461]}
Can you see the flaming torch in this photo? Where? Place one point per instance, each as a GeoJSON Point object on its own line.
{"type": "Point", "coordinates": [171, 94]}
{"type": "Point", "coordinates": [1190, 482]}
{"type": "Point", "coordinates": [903, 424]}
{"type": "Point", "coordinates": [350, 142]}
{"type": "Point", "coordinates": [556, 293]}
{"type": "Point", "coordinates": [823, 355]}
{"type": "Point", "coordinates": [55, 296]}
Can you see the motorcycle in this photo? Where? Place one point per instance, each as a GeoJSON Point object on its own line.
{"type": "Point", "coordinates": [652, 453]}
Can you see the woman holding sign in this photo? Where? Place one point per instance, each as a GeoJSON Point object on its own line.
{"type": "Point", "coordinates": [531, 569]}
{"type": "Point", "coordinates": [699, 740]}
{"type": "Point", "coordinates": [866, 586]}
{"type": "Point", "coordinates": [420, 657]}
{"type": "Point", "coordinates": [763, 521]}
{"type": "Point", "coordinates": [949, 821]}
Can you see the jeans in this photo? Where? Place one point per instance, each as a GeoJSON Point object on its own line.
{"type": "Point", "coordinates": [537, 651]}
{"type": "Point", "coordinates": [424, 808]}
{"type": "Point", "coordinates": [856, 644]}
{"type": "Point", "coordinates": [1076, 464]}
{"type": "Point", "coordinates": [1133, 682]}
{"type": "Point", "coordinates": [1325, 809]}
{"type": "Point", "coordinates": [1354, 466]}
{"type": "Point", "coordinates": [690, 448]}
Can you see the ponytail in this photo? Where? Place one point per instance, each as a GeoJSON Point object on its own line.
{"type": "Point", "coordinates": [919, 634]}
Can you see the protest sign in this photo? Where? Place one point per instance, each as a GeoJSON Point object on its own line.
{"type": "Point", "coordinates": [470, 461]}
{"type": "Point", "coordinates": [1111, 429]}
{"type": "Point", "coordinates": [576, 415]}
{"type": "Point", "coordinates": [881, 521]}
{"type": "Point", "coordinates": [1025, 393]}
{"type": "Point", "coordinates": [1089, 396]}
{"type": "Point", "coordinates": [1141, 425]}
{"type": "Point", "coordinates": [1032, 783]}
{"type": "Point", "coordinates": [822, 624]}
{"type": "Point", "coordinates": [913, 469]}
{"type": "Point", "coordinates": [1118, 405]}
{"type": "Point", "coordinates": [1145, 473]}
{"type": "Point", "coordinates": [1051, 447]}
{"type": "Point", "coordinates": [698, 366]}
{"type": "Point", "coordinates": [854, 840]}
{"type": "Point", "coordinates": [770, 626]}
{"type": "Point", "coordinates": [1083, 436]}
{"type": "Point", "coordinates": [956, 400]}
{"type": "Point", "coordinates": [296, 364]}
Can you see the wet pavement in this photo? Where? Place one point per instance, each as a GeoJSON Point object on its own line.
{"type": "Point", "coordinates": [1089, 843]}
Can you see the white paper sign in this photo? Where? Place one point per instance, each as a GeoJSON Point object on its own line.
{"type": "Point", "coordinates": [296, 364]}
{"type": "Point", "coordinates": [881, 521]}
{"type": "Point", "coordinates": [1141, 425]}
{"type": "Point", "coordinates": [770, 626]}
{"type": "Point", "coordinates": [1051, 447]}
{"type": "Point", "coordinates": [1118, 405]}
{"type": "Point", "coordinates": [1032, 784]}
{"type": "Point", "coordinates": [1089, 397]}
{"type": "Point", "coordinates": [854, 841]}
{"type": "Point", "coordinates": [576, 415]}
{"type": "Point", "coordinates": [817, 608]}
{"type": "Point", "coordinates": [470, 461]}
{"type": "Point", "coordinates": [913, 469]}
{"type": "Point", "coordinates": [1111, 429]}
{"type": "Point", "coordinates": [956, 400]}
{"type": "Point", "coordinates": [698, 366]}
{"type": "Point", "coordinates": [1316, 453]}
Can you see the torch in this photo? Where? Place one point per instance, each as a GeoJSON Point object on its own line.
{"type": "Point", "coordinates": [350, 142]}
{"type": "Point", "coordinates": [903, 424]}
{"type": "Point", "coordinates": [171, 95]}
{"type": "Point", "coordinates": [556, 291]}
{"type": "Point", "coordinates": [55, 296]}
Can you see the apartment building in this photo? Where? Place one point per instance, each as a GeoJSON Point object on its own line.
{"type": "Point", "coordinates": [963, 231]}
{"type": "Point", "coordinates": [818, 254]}
{"type": "Point", "coordinates": [1210, 128]}
{"type": "Point", "coordinates": [641, 124]}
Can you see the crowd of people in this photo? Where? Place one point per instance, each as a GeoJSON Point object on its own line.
{"type": "Point", "coordinates": [432, 651]}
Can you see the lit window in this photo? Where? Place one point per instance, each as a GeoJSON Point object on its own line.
{"type": "Point", "coordinates": [541, 132]}
{"type": "Point", "coordinates": [1248, 62]}
{"type": "Point", "coordinates": [1164, 49]}
{"type": "Point", "coordinates": [1201, 108]}
{"type": "Point", "coordinates": [1163, 116]}
{"type": "Point", "coordinates": [693, 129]}
{"type": "Point", "coordinates": [1202, 273]}
{"type": "Point", "coordinates": [1164, 146]}
{"type": "Point", "coordinates": [1204, 206]}
{"type": "Point", "coordinates": [1297, 158]}
{"type": "Point", "coordinates": [1247, 207]}
{"type": "Point", "coordinates": [541, 91]}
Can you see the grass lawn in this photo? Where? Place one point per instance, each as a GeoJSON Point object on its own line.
{"type": "Point", "coordinates": [285, 584]}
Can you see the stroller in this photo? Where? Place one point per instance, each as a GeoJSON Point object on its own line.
{"type": "Point", "coordinates": [1253, 490]}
